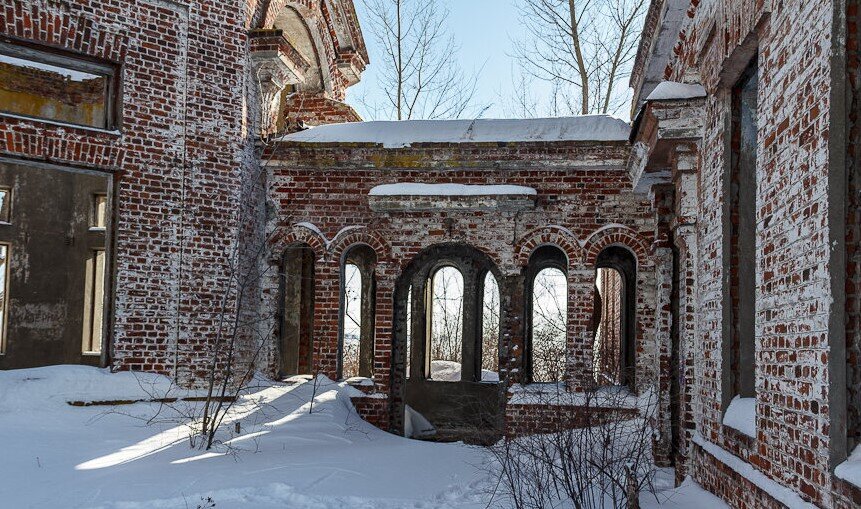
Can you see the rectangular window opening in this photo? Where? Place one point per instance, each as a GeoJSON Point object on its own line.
{"type": "Point", "coordinates": [5, 205]}
{"type": "Point", "coordinates": [58, 87]}
{"type": "Point", "coordinates": [740, 366]}
{"type": "Point", "coordinates": [4, 296]}
{"type": "Point", "coordinates": [94, 303]}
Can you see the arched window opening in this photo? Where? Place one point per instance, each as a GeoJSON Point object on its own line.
{"type": "Point", "coordinates": [446, 324]}
{"type": "Point", "coordinates": [607, 348]}
{"type": "Point", "coordinates": [546, 315]}
{"type": "Point", "coordinates": [352, 320]}
{"type": "Point", "coordinates": [549, 325]}
{"type": "Point", "coordinates": [409, 313]}
{"type": "Point", "coordinates": [614, 317]}
{"type": "Point", "coordinates": [490, 330]}
{"type": "Point", "coordinates": [297, 317]}
{"type": "Point", "coordinates": [357, 312]}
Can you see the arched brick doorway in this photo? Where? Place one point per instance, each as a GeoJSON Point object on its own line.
{"type": "Point", "coordinates": [463, 407]}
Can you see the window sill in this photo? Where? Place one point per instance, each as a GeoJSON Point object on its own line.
{"type": "Point", "coordinates": [91, 354]}
{"type": "Point", "coordinates": [57, 123]}
{"type": "Point", "coordinates": [850, 470]}
{"type": "Point", "coordinates": [740, 415]}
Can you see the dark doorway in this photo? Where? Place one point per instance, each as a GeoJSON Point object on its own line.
{"type": "Point", "coordinates": [54, 270]}
{"type": "Point", "coordinates": [297, 317]}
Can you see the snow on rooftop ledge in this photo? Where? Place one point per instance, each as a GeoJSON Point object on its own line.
{"type": "Point", "coordinates": [417, 189]}
{"type": "Point", "coordinates": [398, 134]}
{"type": "Point", "coordinates": [668, 90]}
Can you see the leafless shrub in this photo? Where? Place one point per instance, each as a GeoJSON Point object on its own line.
{"type": "Point", "coordinates": [598, 455]}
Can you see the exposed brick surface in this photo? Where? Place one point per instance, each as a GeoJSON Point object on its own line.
{"type": "Point", "coordinates": [798, 439]}
{"type": "Point", "coordinates": [528, 419]}
{"type": "Point", "coordinates": [375, 410]}
{"type": "Point", "coordinates": [584, 205]}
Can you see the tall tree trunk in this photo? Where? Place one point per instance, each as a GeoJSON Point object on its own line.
{"type": "Point", "coordinates": [400, 61]}
{"type": "Point", "coordinates": [581, 65]}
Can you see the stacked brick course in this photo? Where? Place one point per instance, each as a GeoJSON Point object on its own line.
{"type": "Point", "coordinates": [181, 157]}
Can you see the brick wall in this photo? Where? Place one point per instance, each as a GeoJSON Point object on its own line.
{"type": "Point", "coordinates": [795, 443]}
{"type": "Point", "coordinates": [320, 193]}
{"type": "Point", "coordinates": [373, 409]}
{"type": "Point", "coordinates": [529, 419]}
{"type": "Point", "coordinates": [175, 160]}
{"type": "Point", "coordinates": [188, 202]}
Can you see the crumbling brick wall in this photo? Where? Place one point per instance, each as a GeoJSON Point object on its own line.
{"type": "Point", "coordinates": [584, 204]}
{"type": "Point", "coordinates": [175, 161]}
{"type": "Point", "coordinates": [187, 221]}
{"type": "Point", "coordinates": [797, 440]}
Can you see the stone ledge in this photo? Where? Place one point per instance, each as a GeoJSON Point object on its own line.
{"type": "Point", "coordinates": [503, 203]}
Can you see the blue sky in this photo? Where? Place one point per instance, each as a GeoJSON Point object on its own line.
{"type": "Point", "coordinates": [484, 29]}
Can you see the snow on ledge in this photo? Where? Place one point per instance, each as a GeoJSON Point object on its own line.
{"type": "Point", "coordinates": [417, 189]}
{"type": "Point", "coordinates": [399, 134]}
{"type": "Point", "coordinates": [555, 394]}
{"type": "Point", "coordinates": [669, 90]}
{"type": "Point", "coordinates": [850, 470]}
{"type": "Point", "coordinates": [776, 490]}
{"type": "Point", "coordinates": [741, 415]}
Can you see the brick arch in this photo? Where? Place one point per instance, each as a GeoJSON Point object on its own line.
{"type": "Point", "coordinates": [558, 236]}
{"type": "Point", "coordinates": [271, 9]}
{"type": "Point", "coordinates": [615, 235]}
{"type": "Point", "coordinates": [293, 235]}
{"type": "Point", "coordinates": [347, 238]}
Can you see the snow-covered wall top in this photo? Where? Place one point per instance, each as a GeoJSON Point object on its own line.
{"type": "Point", "coordinates": [416, 189]}
{"type": "Point", "coordinates": [667, 90]}
{"type": "Point", "coordinates": [396, 134]}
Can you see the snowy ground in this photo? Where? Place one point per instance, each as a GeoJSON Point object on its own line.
{"type": "Point", "coordinates": [57, 455]}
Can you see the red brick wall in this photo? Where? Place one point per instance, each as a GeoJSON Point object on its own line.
{"type": "Point", "coordinates": [375, 410]}
{"type": "Point", "coordinates": [175, 159]}
{"type": "Point", "coordinates": [528, 419]}
{"type": "Point", "coordinates": [188, 203]}
{"type": "Point", "coordinates": [584, 204]}
{"type": "Point", "coordinates": [794, 286]}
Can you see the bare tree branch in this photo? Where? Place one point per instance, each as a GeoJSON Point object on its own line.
{"type": "Point", "coordinates": [420, 76]}
{"type": "Point", "coordinates": [584, 48]}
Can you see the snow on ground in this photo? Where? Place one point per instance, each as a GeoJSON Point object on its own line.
{"type": "Point", "coordinates": [689, 495]}
{"type": "Point", "coordinates": [397, 134]}
{"type": "Point", "coordinates": [57, 455]}
{"type": "Point", "coordinates": [449, 371]}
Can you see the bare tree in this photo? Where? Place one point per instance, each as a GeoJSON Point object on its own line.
{"type": "Point", "coordinates": [447, 315]}
{"type": "Point", "coordinates": [352, 320]}
{"type": "Point", "coordinates": [490, 326]}
{"type": "Point", "coordinates": [419, 73]}
{"type": "Point", "coordinates": [584, 48]}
